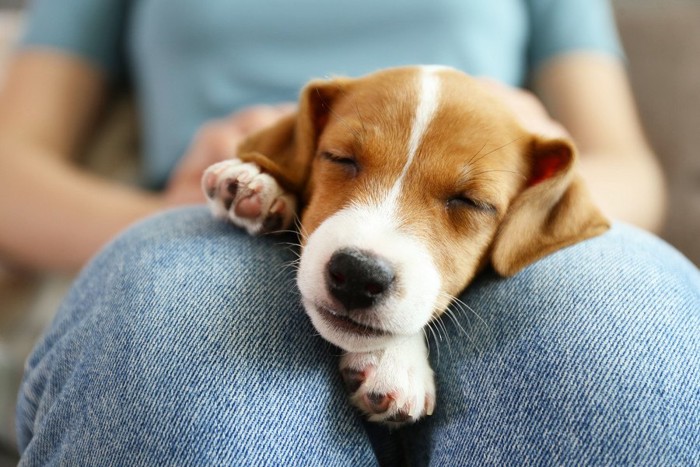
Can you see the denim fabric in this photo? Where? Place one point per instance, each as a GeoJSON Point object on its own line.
{"type": "Point", "coordinates": [183, 343]}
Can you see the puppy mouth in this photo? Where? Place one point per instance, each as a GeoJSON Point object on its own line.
{"type": "Point", "coordinates": [348, 324]}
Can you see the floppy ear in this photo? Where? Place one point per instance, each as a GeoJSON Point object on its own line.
{"type": "Point", "coordinates": [553, 211]}
{"type": "Point", "coordinates": [286, 149]}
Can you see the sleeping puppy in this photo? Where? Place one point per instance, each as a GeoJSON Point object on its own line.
{"type": "Point", "coordinates": [410, 181]}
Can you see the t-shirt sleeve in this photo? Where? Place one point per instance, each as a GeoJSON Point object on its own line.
{"type": "Point", "coordinates": [562, 26]}
{"type": "Point", "coordinates": [88, 29]}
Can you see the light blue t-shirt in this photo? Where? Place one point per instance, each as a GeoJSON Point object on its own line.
{"type": "Point", "coordinates": [193, 60]}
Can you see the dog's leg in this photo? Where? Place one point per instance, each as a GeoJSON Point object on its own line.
{"type": "Point", "coordinates": [393, 385]}
{"type": "Point", "coordinates": [240, 192]}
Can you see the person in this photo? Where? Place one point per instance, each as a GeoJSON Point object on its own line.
{"type": "Point", "coordinates": [183, 342]}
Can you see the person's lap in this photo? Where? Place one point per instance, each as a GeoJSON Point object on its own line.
{"type": "Point", "coordinates": [589, 356]}
{"type": "Point", "coordinates": [184, 341]}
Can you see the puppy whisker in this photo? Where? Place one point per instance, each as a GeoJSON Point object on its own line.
{"type": "Point", "coordinates": [450, 314]}
{"type": "Point", "coordinates": [426, 340]}
{"type": "Point", "coordinates": [435, 339]}
{"type": "Point", "coordinates": [473, 162]}
{"type": "Point", "coordinates": [499, 148]}
{"type": "Point", "coordinates": [457, 306]}
{"type": "Point", "coordinates": [464, 308]}
{"type": "Point", "coordinates": [439, 322]}
{"type": "Point", "coordinates": [291, 266]}
{"type": "Point", "coordinates": [477, 153]}
{"type": "Point", "coordinates": [293, 247]}
{"type": "Point", "coordinates": [300, 229]}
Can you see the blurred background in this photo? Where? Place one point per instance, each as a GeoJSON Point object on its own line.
{"type": "Point", "coordinates": [662, 42]}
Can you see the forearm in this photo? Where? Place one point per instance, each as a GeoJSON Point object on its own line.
{"type": "Point", "coordinates": [627, 188]}
{"type": "Point", "coordinates": [589, 93]}
{"type": "Point", "coordinates": [55, 216]}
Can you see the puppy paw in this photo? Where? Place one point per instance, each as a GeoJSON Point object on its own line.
{"type": "Point", "coordinates": [394, 386]}
{"type": "Point", "coordinates": [249, 198]}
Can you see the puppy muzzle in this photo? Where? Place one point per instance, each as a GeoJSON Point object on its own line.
{"type": "Point", "coordinates": [358, 279]}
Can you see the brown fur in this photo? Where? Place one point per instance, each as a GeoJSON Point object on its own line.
{"type": "Point", "coordinates": [473, 146]}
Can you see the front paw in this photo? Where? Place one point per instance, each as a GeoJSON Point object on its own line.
{"type": "Point", "coordinates": [394, 386]}
{"type": "Point", "coordinates": [240, 192]}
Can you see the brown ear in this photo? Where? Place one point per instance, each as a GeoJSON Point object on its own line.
{"type": "Point", "coordinates": [554, 210]}
{"type": "Point", "coordinates": [286, 149]}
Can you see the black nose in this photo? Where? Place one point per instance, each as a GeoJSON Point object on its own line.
{"type": "Point", "coordinates": [358, 279]}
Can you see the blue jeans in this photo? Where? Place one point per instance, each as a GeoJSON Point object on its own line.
{"type": "Point", "coordinates": [184, 343]}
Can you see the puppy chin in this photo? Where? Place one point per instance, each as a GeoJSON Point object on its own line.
{"type": "Point", "coordinates": [402, 313]}
{"type": "Point", "coordinates": [348, 340]}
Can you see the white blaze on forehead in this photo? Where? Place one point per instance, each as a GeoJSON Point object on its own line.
{"type": "Point", "coordinates": [428, 99]}
{"type": "Point", "coordinates": [375, 226]}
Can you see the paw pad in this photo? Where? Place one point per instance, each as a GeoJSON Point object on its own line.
{"type": "Point", "coordinates": [389, 387]}
{"type": "Point", "coordinates": [248, 197]}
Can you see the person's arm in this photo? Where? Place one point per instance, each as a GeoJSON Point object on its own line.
{"type": "Point", "coordinates": [575, 66]}
{"type": "Point", "coordinates": [589, 94]}
{"type": "Point", "coordinates": [55, 215]}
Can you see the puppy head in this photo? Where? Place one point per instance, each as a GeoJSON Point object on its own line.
{"type": "Point", "coordinates": [415, 179]}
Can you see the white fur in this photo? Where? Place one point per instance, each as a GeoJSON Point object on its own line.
{"type": "Point", "coordinates": [251, 180]}
{"type": "Point", "coordinates": [376, 227]}
{"type": "Point", "coordinates": [395, 364]}
{"type": "Point", "coordinates": [428, 99]}
{"type": "Point", "coordinates": [369, 228]}
{"type": "Point", "coordinates": [400, 371]}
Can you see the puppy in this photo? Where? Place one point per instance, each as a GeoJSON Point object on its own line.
{"type": "Point", "coordinates": [410, 181]}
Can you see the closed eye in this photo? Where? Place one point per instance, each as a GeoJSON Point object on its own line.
{"type": "Point", "coordinates": [349, 163]}
{"type": "Point", "coordinates": [467, 202]}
